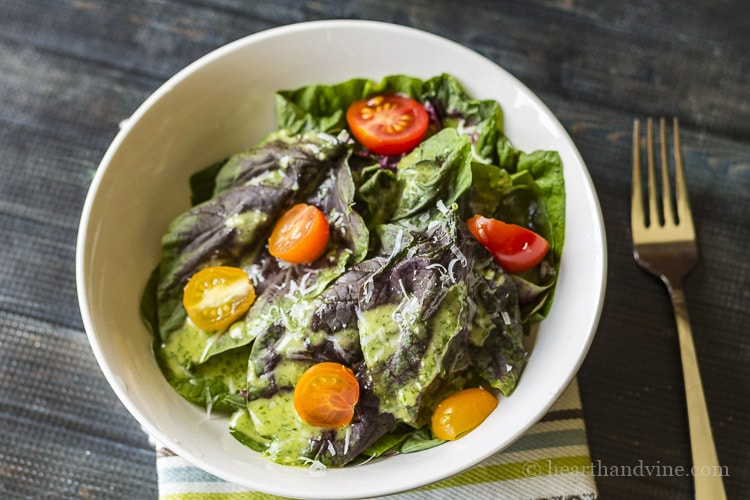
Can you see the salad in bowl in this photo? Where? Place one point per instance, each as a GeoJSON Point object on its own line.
{"type": "Point", "coordinates": [358, 284]}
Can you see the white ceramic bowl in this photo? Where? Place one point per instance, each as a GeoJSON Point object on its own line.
{"type": "Point", "coordinates": [224, 103]}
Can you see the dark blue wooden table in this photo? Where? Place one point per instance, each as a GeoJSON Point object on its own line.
{"type": "Point", "coordinates": [71, 70]}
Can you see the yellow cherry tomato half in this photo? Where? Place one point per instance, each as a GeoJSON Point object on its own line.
{"type": "Point", "coordinates": [461, 412]}
{"type": "Point", "coordinates": [301, 235]}
{"type": "Point", "coordinates": [325, 395]}
{"type": "Point", "coordinates": [215, 297]}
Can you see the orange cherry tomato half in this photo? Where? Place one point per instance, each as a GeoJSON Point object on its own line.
{"type": "Point", "coordinates": [461, 412]}
{"type": "Point", "coordinates": [325, 395]}
{"type": "Point", "coordinates": [215, 297]}
{"type": "Point", "coordinates": [388, 124]}
{"type": "Point", "coordinates": [516, 248]}
{"type": "Point", "coordinates": [300, 236]}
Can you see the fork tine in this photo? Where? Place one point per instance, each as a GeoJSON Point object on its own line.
{"type": "Point", "coordinates": [653, 211]}
{"type": "Point", "coordinates": [681, 194]}
{"type": "Point", "coordinates": [637, 217]}
{"type": "Point", "coordinates": [666, 187]}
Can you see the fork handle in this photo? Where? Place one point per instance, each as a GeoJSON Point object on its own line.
{"type": "Point", "coordinates": [708, 474]}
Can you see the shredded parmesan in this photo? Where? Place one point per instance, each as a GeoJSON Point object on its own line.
{"type": "Point", "coordinates": [255, 274]}
{"type": "Point", "coordinates": [459, 255]}
{"type": "Point", "coordinates": [209, 343]}
{"type": "Point", "coordinates": [334, 341]}
{"type": "Point", "coordinates": [314, 465]}
{"type": "Point", "coordinates": [437, 265]}
{"type": "Point", "coordinates": [403, 290]}
{"type": "Point", "coordinates": [335, 218]}
{"type": "Point", "coordinates": [451, 265]}
{"type": "Point", "coordinates": [209, 400]}
{"type": "Point", "coordinates": [397, 244]}
{"type": "Point", "coordinates": [302, 287]}
{"type": "Point", "coordinates": [506, 317]}
{"type": "Point", "coordinates": [367, 289]}
{"type": "Point", "coordinates": [327, 137]}
{"type": "Point", "coordinates": [441, 206]}
{"type": "Point", "coordinates": [347, 437]}
{"type": "Point", "coordinates": [285, 161]}
{"type": "Point", "coordinates": [292, 290]}
{"type": "Point", "coordinates": [313, 149]}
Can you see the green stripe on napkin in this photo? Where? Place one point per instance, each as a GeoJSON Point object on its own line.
{"type": "Point", "coordinates": [551, 460]}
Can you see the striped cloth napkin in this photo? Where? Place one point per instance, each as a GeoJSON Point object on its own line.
{"type": "Point", "coordinates": [550, 461]}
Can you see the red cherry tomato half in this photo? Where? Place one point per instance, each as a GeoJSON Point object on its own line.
{"type": "Point", "coordinates": [388, 124]}
{"type": "Point", "coordinates": [516, 248]}
{"type": "Point", "coordinates": [462, 412]}
{"type": "Point", "coordinates": [300, 236]}
{"type": "Point", "coordinates": [325, 395]}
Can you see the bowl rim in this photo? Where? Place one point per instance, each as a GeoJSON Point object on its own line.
{"type": "Point", "coordinates": [600, 268]}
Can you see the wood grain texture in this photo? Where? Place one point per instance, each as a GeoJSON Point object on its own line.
{"type": "Point", "coordinates": [71, 70]}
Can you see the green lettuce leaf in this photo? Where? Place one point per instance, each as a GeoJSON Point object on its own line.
{"type": "Point", "coordinates": [439, 169]}
{"type": "Point", "coordinates": [322, 108]}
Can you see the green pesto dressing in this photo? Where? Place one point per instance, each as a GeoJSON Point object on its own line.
{"type": "Point", "coordinates": [246, 224]}
{"type": "Point", "coordinates": [184, 347]}
{"type": "Point", "coordinates": [274, 423]}
{"type": "Point", "coordinates": [380, 333]}
{"type": "Point", "coordinates": [215, 383]}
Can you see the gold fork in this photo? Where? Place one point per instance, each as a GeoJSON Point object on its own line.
{"type": "Point", "coordinates": [665, 245]}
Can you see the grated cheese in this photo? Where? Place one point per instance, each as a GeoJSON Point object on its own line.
{"type": "Point", "coordinates": [347, 437]}
{"type": "Point", "coordinates": [506, 317]}
{"type": "Point", "coordinates": [451, 266]}
{"type": "Point", "coordinates": [441, 206]}
{"type": "Point", "coordinates": [314, 465]}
